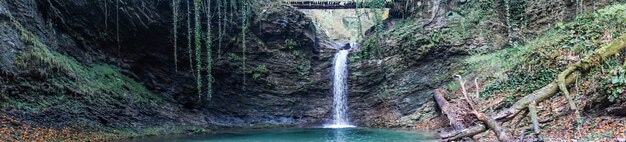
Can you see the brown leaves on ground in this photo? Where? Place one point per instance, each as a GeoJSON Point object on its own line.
{"type": "Point", "coordinates": [13, 130]}
{"type": "Point", "coordinates": [563, 125]}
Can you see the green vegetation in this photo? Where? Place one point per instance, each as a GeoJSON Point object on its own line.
{"type": "Point", "coordinates": [197, 40]}
{"type": "Point", "coordinates": [453, 86]}
{"type": "Point", "coordinates": [63, 72]}
{"type": "Point", "coordinates": [303, 67]}
{"type": "Point", "coordinates": [371, 46]}
{"type": "Point", "coordinates": [552, 52]}
{"type": "Point", "coordinates": [357, 12]}
{"type": "Point", "coordinates": [156, 131]}
{"type": "Point", "coordinates": [259, 72]}
{"type": "Point", "coordinates": [468, 23]}
{"type": "Point", "coordinates": [290, 44]}
{"type": "Point", "coordinates": [617, 85]}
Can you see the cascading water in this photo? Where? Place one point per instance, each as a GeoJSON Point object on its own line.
{"type": "Point", "coordinates": [340, 91]}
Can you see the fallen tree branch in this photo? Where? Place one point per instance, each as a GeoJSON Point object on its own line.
{"type": "Point", "coordinates": [487, 120]}
{"type": "Point", "coordinates": [508, 114]}
{"type": "Point", "coordinates": [539, 96]}
{"type": "Point", "coordinates": [567, 77]}
{"type": "Point", "coordinates": [493, 125]}
{"type": "Point", "coordinates": [464, 92]}
{"type": "Point", "coordinates": [457, 135]}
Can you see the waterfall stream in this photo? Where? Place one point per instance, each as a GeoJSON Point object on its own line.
{"type": "Point", "coordinates": [340, 91]}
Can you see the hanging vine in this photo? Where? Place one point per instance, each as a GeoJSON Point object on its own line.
{"type": "Point", "coordinates": [106, 15]}
{"type": "Point", "coordinates": [117, 23]}
{"type": "Point", "coordinates": [219, 28]}
{"type": "Point", "coordinates": [358, 16]}
{"type": "Point", "coordinates": [175, 31]}
{"type": "Point", "coordinates": [370, 47]}
{"type": "Point", "coordinates": [209, 43]}
{"type": "Point", "coordinates": [245, 12]}
{"type": "Point", "coordinates": [233, 9]}
{"type": "Point", "coordinates": [189, 35]}
{"type": "Point", "coordinates": [507, 9]}
{"type": "Point", "coordinates": [198, 44]}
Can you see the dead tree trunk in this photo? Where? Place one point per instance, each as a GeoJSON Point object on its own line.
{"type": "Point", "coordinates": [447, 110]}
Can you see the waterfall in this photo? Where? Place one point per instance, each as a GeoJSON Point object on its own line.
{"type": "Point", "coordinates": [340, 91]}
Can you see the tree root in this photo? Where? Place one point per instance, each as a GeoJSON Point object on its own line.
{"type": "Point", "coordinates": [563, 87]}
{"type": "Point", "coordinates": [517, 123]}
{"type": "Point", "coordinates": [529, 102]}
{"type": "Point", "coordinates": [532, 109]}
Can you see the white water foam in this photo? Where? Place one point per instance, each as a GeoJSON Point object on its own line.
{"type": "Point", "coordinates": [340, 91]}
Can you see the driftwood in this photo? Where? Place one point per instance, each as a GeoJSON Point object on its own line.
{"type": "Point", "coordinates": [529, 102]}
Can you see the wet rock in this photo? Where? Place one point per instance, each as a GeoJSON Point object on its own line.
{"type": "Point", "coordinates": [284, 85]}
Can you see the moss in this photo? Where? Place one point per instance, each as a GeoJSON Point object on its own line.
{"type": "Point", "coordinates": [155, 131]}
{"type": "Point", "coordinates": [232, 57]}
{"type": "Point", "coordinates": [66, 72]}
{"type": "Point", "coordinates": [496, 64]}
{"type": "Point", "coordinates": [453, 86]}
{"type": "Point", "coordinates": [466, 20]}
{"type": "Point", "coordinates": [304, 66]}
{"type": "Point", "coordinates": [537, 63]}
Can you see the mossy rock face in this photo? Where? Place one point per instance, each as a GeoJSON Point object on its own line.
{"type": "Point", "coordinates": [78, 74]}
{"type": "Point", "coordinates": [414, 58]}
{"type": "Point", "coordinates": [400, 67]}
{"type": "Point", "coordinates": [287, 80]}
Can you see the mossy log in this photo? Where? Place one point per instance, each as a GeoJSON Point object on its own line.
{"type": "Point", "coordinates": [565, 78]}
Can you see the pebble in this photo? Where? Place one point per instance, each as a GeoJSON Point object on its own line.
{"type": "Point", "coordinates": [621, 139]}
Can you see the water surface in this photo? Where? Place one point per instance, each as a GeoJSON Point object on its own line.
{"type": "Point", "coordinates": [303, 135]}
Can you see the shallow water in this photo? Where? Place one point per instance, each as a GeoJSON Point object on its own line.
{"type": "Point", "coordinates": [302, 135]}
